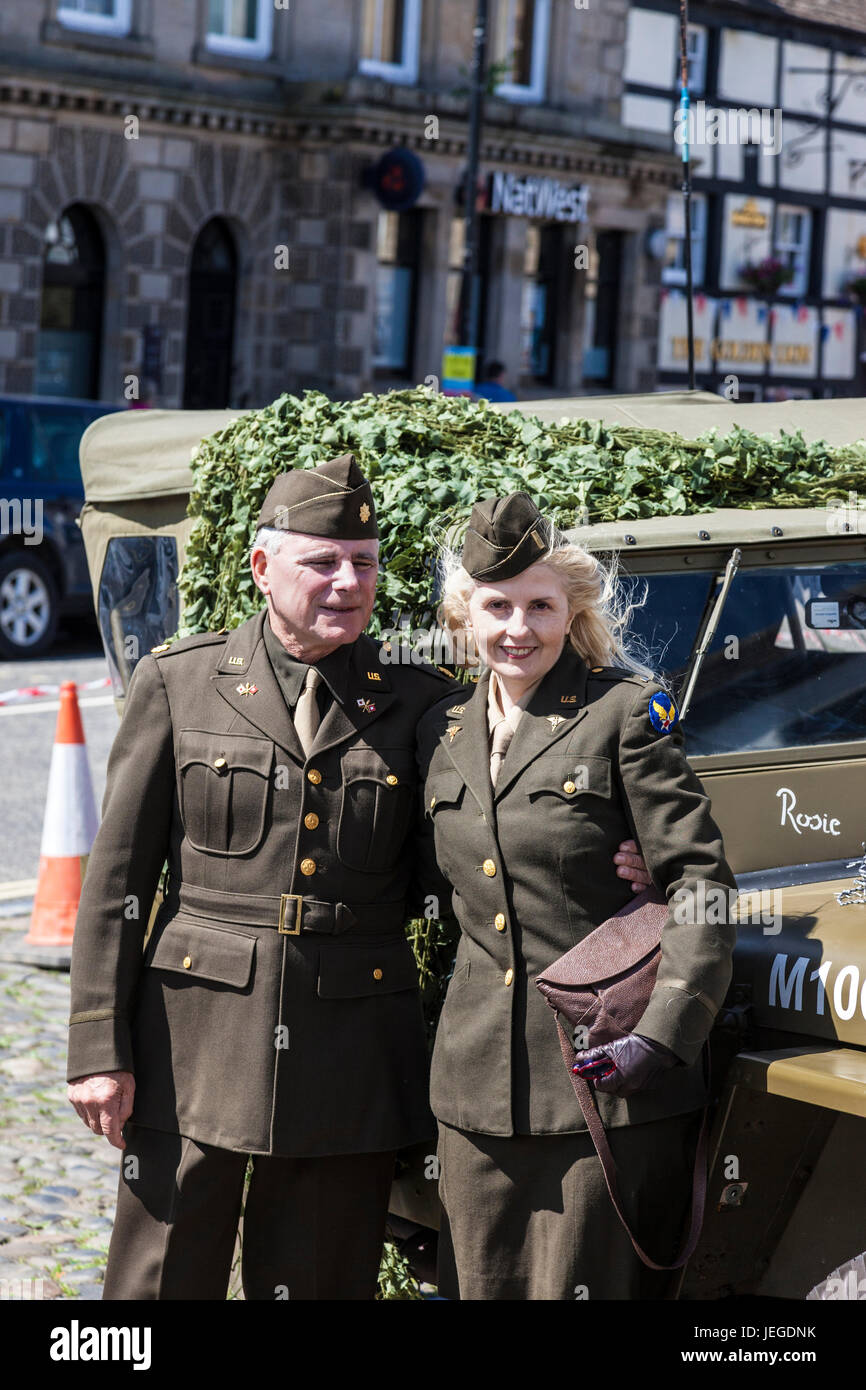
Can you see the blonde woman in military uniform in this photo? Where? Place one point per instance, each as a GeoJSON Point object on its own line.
{"type": "Point", "coordinates": [563, 749]}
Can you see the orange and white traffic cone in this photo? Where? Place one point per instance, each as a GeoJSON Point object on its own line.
{"type": "Point", "coordinates": [68, 831]}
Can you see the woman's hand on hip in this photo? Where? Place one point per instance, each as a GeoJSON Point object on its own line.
{"type": "Point", "coordinates": [626, 1065]}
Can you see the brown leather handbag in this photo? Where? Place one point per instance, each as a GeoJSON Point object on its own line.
{"type": "Point", "coordinates": [603, 984]}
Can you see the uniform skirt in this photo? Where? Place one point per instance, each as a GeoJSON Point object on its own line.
{"type": "Point", "coordinates": [529, 1217]}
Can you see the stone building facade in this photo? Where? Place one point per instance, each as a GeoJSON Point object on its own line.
{"type": "Point", "coordinates": [190, 207]}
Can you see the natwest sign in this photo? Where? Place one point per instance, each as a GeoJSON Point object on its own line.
{"type": "Point", "coordinates": [537, 197]}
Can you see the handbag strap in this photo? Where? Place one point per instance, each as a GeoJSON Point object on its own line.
{"type": "Point", "coordinates": [599, 1139]}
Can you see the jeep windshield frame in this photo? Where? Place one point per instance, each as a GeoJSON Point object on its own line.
{"type": "Point", "coordinates": [768, 681]}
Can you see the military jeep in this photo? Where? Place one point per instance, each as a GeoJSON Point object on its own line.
{"type": "Point", "coordinates": [757, 620]}
{"type": "Point", "coordinates": [775, 727]}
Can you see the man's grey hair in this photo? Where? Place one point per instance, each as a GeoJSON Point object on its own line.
{"type": "Point", "coordinates": [270, 538]}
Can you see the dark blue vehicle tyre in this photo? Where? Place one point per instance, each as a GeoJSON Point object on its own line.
{"type": "Point", "coordinates": [29, 604]}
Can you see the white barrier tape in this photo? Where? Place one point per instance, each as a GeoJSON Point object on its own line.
{"type": "Point", "coordinates": [36, 692]}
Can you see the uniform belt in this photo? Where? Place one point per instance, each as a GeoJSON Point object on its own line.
{"type": "Point", "coordinates": [292, 913]}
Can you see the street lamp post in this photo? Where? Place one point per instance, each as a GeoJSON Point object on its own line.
{"type": "Point", "coordinates": [687, 188]}
{"type": "Point", "coordinates": [469, 294]}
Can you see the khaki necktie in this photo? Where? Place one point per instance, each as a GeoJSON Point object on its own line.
{"type": "Point", "coordinates": [307, 711]}
{"type": "Point", "coordinates": [503, 733]}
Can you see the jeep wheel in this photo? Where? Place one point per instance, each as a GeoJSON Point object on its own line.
{"type": "Point", "coordinates": [28, 606]}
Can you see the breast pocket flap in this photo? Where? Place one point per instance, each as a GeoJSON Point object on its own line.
{"type": "Point", "coordinates": [205, 952]}
{"type": "Point", "coordinates": [569, 778]}
{"type": "Point", "coordinates": [224, 752]}
{"type": "Point", "coordinates": [351, 972]}
{"type": "Point", "coordinates": [443, 789]}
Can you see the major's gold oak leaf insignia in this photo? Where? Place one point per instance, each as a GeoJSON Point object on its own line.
{"type": "Point", "coordinates": [364, 513]}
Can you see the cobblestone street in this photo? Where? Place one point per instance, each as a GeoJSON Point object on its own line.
{"type": "Point", "coordinates": [57, 1181]}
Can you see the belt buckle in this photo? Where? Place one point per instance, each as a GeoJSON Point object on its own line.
{"type": "Point", "coordinates": [285, 899]}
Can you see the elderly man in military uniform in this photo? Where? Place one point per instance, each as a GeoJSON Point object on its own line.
{"type": "Point", "coordinates": [273, 1011]}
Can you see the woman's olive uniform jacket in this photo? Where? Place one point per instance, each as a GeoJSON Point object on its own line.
{"type": "Point", "coordinates": [532, 874]}
{"type": "Point", "coordinates": [241, 1033]}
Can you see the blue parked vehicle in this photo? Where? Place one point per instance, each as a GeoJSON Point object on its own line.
{"type": "Point", "coordinates": [43, 568]}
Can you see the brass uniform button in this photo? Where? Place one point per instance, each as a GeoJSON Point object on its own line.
{"type": "Point", "coordinates": [499, 921]}
{"type": "Point", "coordinates": [187, 962]}
{"type": "Point", "coordinates": [489, 868]}
{"type": "Point", "coordinates": [391, 780]}
{"type": "Point", "coordinates": [569, 787]}
{"type": "Point", "coordinates": [220, 763]}
{"type": "Point", "coordinates": [377, 974]}
{"type": "Point", "coordinates": [314, 776]}
{"type": "Point", "coordinates": [308, 866]}
{"type": "Point", "coordinates": [311, 820]}
{"type": "Point", "coordinates": [509, 976]}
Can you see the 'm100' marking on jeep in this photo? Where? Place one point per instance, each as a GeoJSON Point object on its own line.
{"type": "Point", "coordinates": [786, 989]}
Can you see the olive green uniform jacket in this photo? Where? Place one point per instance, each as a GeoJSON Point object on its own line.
{"type": "Point", "coordinates": [532, 874]}
{"type": "Point", "coordinates": [241, 1034]}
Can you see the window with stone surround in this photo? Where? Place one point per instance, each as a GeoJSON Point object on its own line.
{"type": "Point", "coordinates": [792, 244]}
{"type": "Point", "coordinates": [242, 28]}
{"type": "Point", "coordinates": [674, 268]}
{"type": "Point", "coordinates": [390, 32]}
{"type": "Point", "coordinates": [398, 249]}
{"type": "Point", "coordinates": [111, 17]}
{"type": "Point", "coordinates": [519, 42]}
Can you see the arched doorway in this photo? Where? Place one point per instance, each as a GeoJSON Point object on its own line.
{"type": "Point", "coordinates": [210, 319]}
{"type": "Point", "coordinates": [70, 323]}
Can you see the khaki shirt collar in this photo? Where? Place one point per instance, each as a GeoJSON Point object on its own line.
{"type": "Point", "coordinates": [495, 712]}
{"type": "Point", "coordinates": [291, 673]}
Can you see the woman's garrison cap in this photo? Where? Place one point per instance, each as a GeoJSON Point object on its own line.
{"type": "Point", "coordinates": [505, 536]}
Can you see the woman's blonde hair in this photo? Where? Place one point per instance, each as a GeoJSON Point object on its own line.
{"type": "Point", "coordinates": [595, 595]}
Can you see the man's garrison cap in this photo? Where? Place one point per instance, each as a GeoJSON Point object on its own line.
{"type": "Point", "coordinates": [333, 500]}
{"type": "Point", "coordinates": [505, 536]}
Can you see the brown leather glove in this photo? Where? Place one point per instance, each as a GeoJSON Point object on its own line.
{"type": "Point", "coordinates": [626, 1065]}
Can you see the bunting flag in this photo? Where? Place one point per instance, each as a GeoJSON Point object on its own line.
{"type": "Point", "coordinates": [825, 332]}
{"type": "Point", "coordinates": [742, 304]}
{"type": "Point", "coordinates": [726, 308]}
{"type": "Point", "coordinates": [700, 302]}
{"type": "Point", "coordinates": [839, 328]}
{"type": "Point", "coordinates": [773, 316]}
{"type": "Point", "coordinates": [802, 313]}
{"type": "Point", "coordinates": [762, 313]}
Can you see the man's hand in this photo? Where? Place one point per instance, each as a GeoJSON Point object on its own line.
{"type": "Point", "coordinates": [104, 1102]}
{"type": "Point", "coordinates": [632, 866]}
